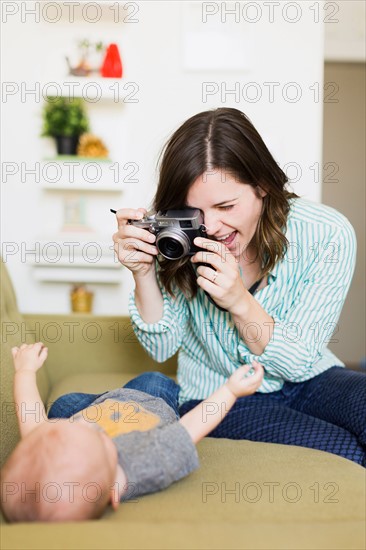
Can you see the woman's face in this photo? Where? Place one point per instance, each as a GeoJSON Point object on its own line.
{"type": "Point", "coordinates": [231, 209]}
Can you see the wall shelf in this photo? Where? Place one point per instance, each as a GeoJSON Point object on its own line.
{"type": "Point", "coordinates": [65, 173]}
{"type": "Point", "coordinates": [79, 177]}
{"type": "Point", "coordinates": [65, 274]}
{"type": "Point", "coordinates": [81, 186]}
{"type": "Point", "coordinates": [90, 88]}
{"type": "Point", "coordinates": [73, 257]}
{"type": "Point", "coordinates": [76, 158]}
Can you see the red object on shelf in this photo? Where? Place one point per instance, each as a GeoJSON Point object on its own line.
{"type": "Point", "coordinates": [112, 64]}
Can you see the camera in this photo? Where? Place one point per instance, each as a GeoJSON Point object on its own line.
{"type": "Point", "coordinates": [175, 231]}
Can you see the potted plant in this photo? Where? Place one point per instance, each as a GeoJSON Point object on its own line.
{"type": "Point", "coordinates": [65, 120]}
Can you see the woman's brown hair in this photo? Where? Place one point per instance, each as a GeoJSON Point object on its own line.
{"type": "Point", "coordinates": [224, 139]}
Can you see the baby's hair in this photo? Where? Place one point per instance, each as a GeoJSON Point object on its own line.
{"type": "Point", "coordinates": [53, 476]}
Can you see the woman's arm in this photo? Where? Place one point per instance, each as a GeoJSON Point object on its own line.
{"type": "Point", "coordinates": [158, 320]}
{"type": "Point", "coordinates": [254, 324]}
{"type": "Point", "coordinates": [302, 332]}
{"type": "Point", "coordinates": [148, 297]}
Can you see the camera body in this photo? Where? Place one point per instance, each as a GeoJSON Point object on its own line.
{"type": "Point", "coordinates": [175, 231]}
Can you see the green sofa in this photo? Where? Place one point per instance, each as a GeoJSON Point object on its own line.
{"type": "Point", "coordinates": [244, 495]}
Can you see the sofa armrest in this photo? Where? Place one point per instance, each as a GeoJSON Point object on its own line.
{"type": "Point", "coordinates": [84, 343]}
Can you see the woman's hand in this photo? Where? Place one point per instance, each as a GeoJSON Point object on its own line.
{"type": "Point", "coordinates": [133, 245]}
{"type": "Point", "coordinates": [241, 385]}
{"type": "Point", "coordinates": [29, 357]}
{"type": "Point", "coordinates": [223, 282]}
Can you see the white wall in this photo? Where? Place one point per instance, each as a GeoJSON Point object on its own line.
{"type": "Point", "coordinates": [345, 34]}
{"type": "Point", "coordinates": [170, 76]}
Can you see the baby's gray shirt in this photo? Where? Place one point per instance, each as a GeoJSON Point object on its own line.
{"type": "Point", "coordinates": [151, 457]}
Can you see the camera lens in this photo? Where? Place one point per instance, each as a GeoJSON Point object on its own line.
{"type": "Point", "coordinates": [172, 244]}
{"type": "Point", "coordinates": [170, 248]}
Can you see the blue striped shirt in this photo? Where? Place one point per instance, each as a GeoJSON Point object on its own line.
{"type": "Point", "coordinates": [304, 296]}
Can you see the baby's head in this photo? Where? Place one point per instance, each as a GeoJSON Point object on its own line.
{"type": "Point", "coordinates": [61, 471]}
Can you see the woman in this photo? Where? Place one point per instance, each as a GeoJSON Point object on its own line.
{"type": "Point", "coordinates": [276, 272]}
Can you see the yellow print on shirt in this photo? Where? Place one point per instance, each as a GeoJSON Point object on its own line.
{"type": "Point", "coordinates": [120, 417]}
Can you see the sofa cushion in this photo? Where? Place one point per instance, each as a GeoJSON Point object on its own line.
{"type": "Point", "coordinates": [86, 344]}
{"type": "Point", "coordinates": [261, 492]}
{"type": "Point", "coordinates": [244, 495]}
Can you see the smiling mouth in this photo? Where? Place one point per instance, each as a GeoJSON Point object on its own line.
{"type": "Point", "coordinates": [228, 238]}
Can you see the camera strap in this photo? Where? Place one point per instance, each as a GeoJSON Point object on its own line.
{"type": "Point", "coordinates": [254, 287]}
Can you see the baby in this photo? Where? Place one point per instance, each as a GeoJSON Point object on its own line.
{"type": "Point", "coordinates": [125, 444]}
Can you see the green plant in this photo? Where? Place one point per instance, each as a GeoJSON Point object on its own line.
{"type": "Point", "coordinates": [85, 45]}
{"type": "Point", "coordinates": [63, 116]}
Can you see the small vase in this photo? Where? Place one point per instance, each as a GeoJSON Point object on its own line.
{"type": "Point", "coordinates": [67, 145]}
{"type": "Point", "coordinates": [112, 64]}
{"type": "Point", "coordinates": [81, 300]}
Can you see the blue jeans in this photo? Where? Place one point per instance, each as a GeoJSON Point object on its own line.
{"type": "Point", "coordinates": [327, 412]}
{"type": "Point", "coordinates": [154, 383]}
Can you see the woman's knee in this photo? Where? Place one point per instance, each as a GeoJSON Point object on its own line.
{"type": "Point", "coordinates": [149, 377]}
{"type": "Point", "coordinates": [151, 381]}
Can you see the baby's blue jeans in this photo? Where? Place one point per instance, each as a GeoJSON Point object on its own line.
{"type": "Point", "coordinates": [327, 412]}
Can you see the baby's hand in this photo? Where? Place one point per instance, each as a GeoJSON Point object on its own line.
{"type": "Point", "coordinates": [241, 386]}
{"type": "Point", "coordinates": [29, 357]}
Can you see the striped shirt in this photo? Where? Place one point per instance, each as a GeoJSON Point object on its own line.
{"type": "Point", "coordinates": [304, 296]}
